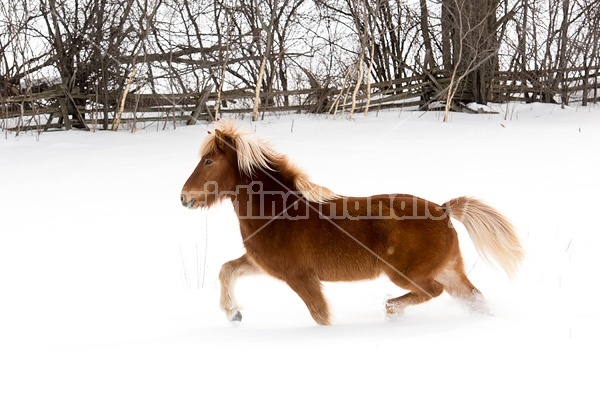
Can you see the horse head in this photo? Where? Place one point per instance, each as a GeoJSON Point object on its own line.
{"type": "Point", "coordinates": [215, 176]}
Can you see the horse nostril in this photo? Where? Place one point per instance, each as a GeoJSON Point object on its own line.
{"type": "Point", "coordinates": [187, 203]}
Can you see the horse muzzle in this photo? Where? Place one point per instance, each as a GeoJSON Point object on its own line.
{"type": "Point", "coordinates": [188, 202]}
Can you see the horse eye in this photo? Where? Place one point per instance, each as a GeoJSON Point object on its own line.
{"type": "Point", "coordinates": [208, 162]}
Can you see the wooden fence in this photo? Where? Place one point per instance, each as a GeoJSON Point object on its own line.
{"type": "Point", "coordinates": [57, 108]}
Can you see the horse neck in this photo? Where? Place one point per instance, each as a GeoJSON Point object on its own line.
{"type": "Point", "coordinates": [264, 196]}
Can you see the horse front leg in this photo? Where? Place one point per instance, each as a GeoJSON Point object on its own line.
{"type": "Point", "coordinates": [230, 272]}
{"type": "Point", "coordinates": [310, 291]}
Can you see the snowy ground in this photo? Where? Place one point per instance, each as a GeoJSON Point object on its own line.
{"type": "Point", "coordinates": [108, 287]}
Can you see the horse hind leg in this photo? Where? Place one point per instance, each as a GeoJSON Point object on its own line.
{"type": "Point", "coordinates": [456, 283]}
{"type": "Point", "coordinates": [420, 292]}
{"type": "Point", "coordinates": [230, 272]}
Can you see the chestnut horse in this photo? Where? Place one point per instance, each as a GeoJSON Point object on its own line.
{"type": "Point", "coordinates": [304, 234]}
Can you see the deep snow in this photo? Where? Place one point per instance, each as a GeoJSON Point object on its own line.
{"type": "Point", "coordinates": [108, 287]}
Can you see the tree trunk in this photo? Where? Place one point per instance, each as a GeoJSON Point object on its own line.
{"type": "Point", "coordinates": [562, 62]}
{"type": "Point", "coordinates": [429, 63]}
{"type": "Point", "coordinates": [471, 26]}
{"type": "Point", "coordinates": [447, 33]}
{"type": "Point", "coordinates": [261, 73]}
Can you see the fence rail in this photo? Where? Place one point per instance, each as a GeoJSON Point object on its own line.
{"type": "Point", "coordinates": [57, 108]}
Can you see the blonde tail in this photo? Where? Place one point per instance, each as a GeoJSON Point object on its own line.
{"type": "Point", "coordinates": [492, 234]}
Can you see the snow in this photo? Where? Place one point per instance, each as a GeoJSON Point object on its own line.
{"type": "Point", "coordinates": [479, 108]}
{"type": "Point", "coordinates": [109, 288]}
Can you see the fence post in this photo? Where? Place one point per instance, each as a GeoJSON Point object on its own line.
{"type": "Point", "coordinates": [201, 104]}
{"type": "Point", "coordinates": [62, 103]}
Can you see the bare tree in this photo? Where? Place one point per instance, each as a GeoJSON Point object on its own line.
{"type": "Point", "coordinates": [475, 33]}
{"type": "Point", "coordinates": [107, 52]}
{"type": "Point", "coordinates": [267, 27]}
{"type": "Point", "coordinates": [589, 43]}
{"type": "Point", "coordinates": [429, 61]}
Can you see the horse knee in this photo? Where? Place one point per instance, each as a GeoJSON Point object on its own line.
{"type": "Point", "coordinates": [226, 272]}
{"type": "Point", "coordinates": [235, 268]}
{"type": "Point", "coordinates": [227, 269]}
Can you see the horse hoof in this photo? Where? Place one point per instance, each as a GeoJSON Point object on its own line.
{"type": "Point", "coordinates": [237, 317]}
{"type": "Point", "coordinates": [395, 317]}
{"type": "Point", "coordinates": [392, 310]}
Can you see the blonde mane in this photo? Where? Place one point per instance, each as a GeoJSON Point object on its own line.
{"type": "Point", "coordinates": [254, 153]}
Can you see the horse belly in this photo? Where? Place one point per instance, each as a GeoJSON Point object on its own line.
{"type": "Point", "coordinates": [345, 254]}
{"type": "Point", "coordinates": [348, 271]}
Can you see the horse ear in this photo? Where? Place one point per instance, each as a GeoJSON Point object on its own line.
{"type": "Point", "coordinates": [222, 141]}
{"type": "Point", "coordinates": [219, 136]}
